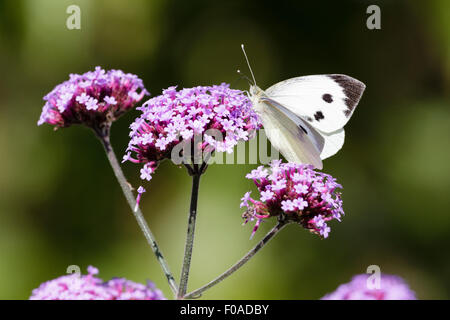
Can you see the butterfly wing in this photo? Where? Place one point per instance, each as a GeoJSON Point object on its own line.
{"type": "Point", "coordinates": [325, 101]}
{"type": "Point", "coordinates": [292, 136]}
{"type": "Point", "coordinates": [333, 142]}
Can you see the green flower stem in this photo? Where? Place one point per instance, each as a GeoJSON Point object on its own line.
{"type": "Point", "coordinates": [197, 293]}
{"type": "Point", "coordinates": [196, 174]}
{"type": "Point", "coordinates": [104, 137]}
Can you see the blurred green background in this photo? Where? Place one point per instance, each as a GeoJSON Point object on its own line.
{"type": "Point", "coordinates": [60, 204]}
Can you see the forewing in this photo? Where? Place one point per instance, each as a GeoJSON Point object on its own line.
{"type": "Point", "coordinates": [325, 101]}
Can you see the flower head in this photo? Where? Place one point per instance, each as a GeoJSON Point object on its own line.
{"type": "Point", "coordinates": [217, 115]}
{"type": "Point", "coordinates": [294, 192]}
{"type": "Point", "coordinates": [89, 287]}
{"type": "Point", "coordinates": [93, 98]}
{"type": "Point", "coordinates": [360, 288]}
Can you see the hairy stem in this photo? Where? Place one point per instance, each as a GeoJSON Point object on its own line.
{"type": "Point", "coordinates": [197, 293]}
{"type": "Point", "coordinates": [103, 135]}
{"type": "Point", "coordinates": [190, 232]}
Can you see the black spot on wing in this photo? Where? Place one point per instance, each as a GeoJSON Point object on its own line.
{"type": "Point", "coordinates": [353, 90]}
{"type": "Point", "coordinates": [319, 115]}
{"type": "Point", "coordinates": [327, 98]}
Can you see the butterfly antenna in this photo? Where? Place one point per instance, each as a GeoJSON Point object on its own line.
{"type": "Point", "coordinates": [244, 76]}
{"type": "Point", "coordinates": [248, 63]}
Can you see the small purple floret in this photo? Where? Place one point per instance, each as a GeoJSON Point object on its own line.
{"type": "Point", "coordinates": [140, 191]}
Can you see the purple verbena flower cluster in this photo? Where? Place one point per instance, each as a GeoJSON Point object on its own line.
{"type": "Point", "coordinates": [93, 98]}
{"type": "Point", "coordinates": [391, 288]}
{"type": "Point", "coordinates": [297, 193]}
{"type": "Point", "coordinates": [219, 115]}
{"type": "Point", "coordinates": [89, 287]}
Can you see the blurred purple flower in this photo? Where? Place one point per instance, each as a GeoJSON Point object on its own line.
{"type": "Point", "coordinates": [294, 192]}
{"type": "Point", "coordinates": [220, 116]}
{"type": "Point", "coordinates": [93, 98]}
{"type": "Point", "coordinates": [391, 288]}
{"type": "Point", "coordinates": [88, 287]}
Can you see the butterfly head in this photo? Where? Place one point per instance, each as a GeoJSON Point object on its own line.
{"type": "Point", "coordinates": [255, 94]}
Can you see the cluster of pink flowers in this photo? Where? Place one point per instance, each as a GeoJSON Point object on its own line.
{"type": "Point", "coordinates": [180, 116]}
{"type": "Point", "coordinates": [89, 287]}
{"type": "Point", "coordinates": [203, 120]}
{"type": "Point", "coordinates": [92, 98]}
{"type": "Point", "coordinates": [391, 288]}
{"type": "Point", "coordinates": [297, 192]}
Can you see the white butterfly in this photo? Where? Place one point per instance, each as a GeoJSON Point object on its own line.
{"type": "Point", "coordinates": [304, 117]}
